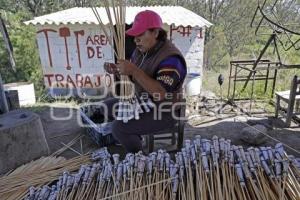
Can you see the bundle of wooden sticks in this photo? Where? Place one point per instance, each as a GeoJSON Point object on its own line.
{"type": "Point", "coordinates": [203, 169]}
{"type": "Point", "coordinates": [14, 186]}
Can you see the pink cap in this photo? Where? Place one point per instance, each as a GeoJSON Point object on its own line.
{"type": "Point", "coordinates": [143, 21]}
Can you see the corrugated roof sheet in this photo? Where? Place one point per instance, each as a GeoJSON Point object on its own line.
{"type": "Point", "coordinates": [176, 15]}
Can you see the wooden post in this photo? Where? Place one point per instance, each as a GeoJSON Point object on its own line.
{"type": "Point", "coordinates": [3, 101]}
{"type": "Point", "coordinates": [7, 43]}
{"type": "Point", "coordinates": [272, 38]}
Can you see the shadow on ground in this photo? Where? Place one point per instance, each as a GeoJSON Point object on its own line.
{"type": "Point", "coordinates": [61, 126]}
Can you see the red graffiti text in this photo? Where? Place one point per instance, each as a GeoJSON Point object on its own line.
{"type": "Point", "coordinates": [77, 80]}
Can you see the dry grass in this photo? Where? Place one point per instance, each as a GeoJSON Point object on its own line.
{"type": "Point", "coordinates": [210, 82]}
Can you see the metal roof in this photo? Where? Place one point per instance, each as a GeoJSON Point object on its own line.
{"type": "Point", "coordinates": [175, 15]}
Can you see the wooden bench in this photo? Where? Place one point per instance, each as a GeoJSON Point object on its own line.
{"type": "Point", "coordinates": [291, 97]}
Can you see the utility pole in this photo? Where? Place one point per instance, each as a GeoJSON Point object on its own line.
{"type": "Point", "coordinates": [8, 45]}
{"type": "Point", "coordinates": [3, 100]}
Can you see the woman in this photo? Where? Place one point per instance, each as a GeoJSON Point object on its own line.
{"type": "Point", "coordinates": [157, 69]}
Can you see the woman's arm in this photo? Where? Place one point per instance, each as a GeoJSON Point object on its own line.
{"type": "Point", "coordinates": [152, 86]}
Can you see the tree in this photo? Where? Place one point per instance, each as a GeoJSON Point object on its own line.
{"type": "Point", "coordinates": [25, 53]}
{"type": "Point", "coordinates": [230, 36]}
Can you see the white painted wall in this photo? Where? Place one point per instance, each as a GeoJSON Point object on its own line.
{"type": "Point", "coordinates": [190, 41]}
{"type": "Point", "coordinates": [75, 61]}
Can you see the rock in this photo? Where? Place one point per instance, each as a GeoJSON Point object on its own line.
{"type": "Point", "coordinates": [206, 94]}
{"type": "Point", "coordinates": [265, 122]}
{"type": "Point", "coordinates": [22, 139]}
{"type": "Point", "coordinates": [253, 136]}
{"type": "Point", "coordinates": [211, 114]}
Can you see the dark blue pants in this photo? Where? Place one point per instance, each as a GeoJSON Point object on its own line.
{"type": "Point", "coordinates": [129, 134]}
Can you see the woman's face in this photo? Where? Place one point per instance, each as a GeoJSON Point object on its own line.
{"type": "Point", "coordinates": [146, 40]}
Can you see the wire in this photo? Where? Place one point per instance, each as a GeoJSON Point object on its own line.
{"type": "Point", "coordinates": [289, 147]}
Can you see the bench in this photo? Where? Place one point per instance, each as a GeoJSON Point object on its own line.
{"type": "Point", "coordinates": [291, 98]}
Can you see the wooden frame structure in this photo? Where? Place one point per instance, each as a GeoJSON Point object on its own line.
{"type": "Point", "coordinates": [261, 69]}
{"type": "Point", "coordinates": [237, 67]}
{"type": "Point", "coordinates": [291, 97]}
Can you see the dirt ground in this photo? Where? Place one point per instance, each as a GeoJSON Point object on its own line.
{"type": "Point", "coordinates": [204, 119]}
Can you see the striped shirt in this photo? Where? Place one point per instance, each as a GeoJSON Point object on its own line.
{"type": "Point", "coordinates": [170, 73]}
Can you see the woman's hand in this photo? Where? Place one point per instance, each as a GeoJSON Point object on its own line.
{"type": "Point", "coordinates": [125, 67]}
{"type": "Point", "coordinates": [111, 68]}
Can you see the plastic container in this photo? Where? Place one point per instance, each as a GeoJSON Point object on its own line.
{"type": "Point", "coordinates": [98, 131]}
{"type": "Point", "coordinates": [193, 84]}
{"type": "Point", "coordinates": [25, 91]}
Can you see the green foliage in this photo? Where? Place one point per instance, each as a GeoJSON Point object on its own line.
{"type": "Point", "coordinates": [25, 53]}
{"type": "Point", "coordinates": [230, 37]}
